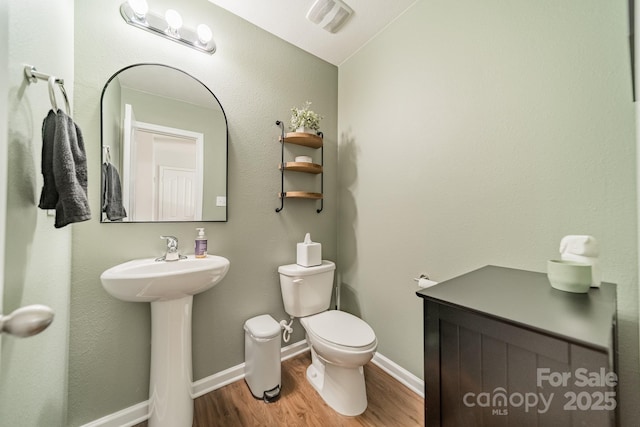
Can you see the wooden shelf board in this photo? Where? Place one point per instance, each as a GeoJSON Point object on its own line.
{"type": "Point", "coordinates": [302, 167]}
{"type": "Point", "coordinates": [301, 195]}
{"type": "Point", "coordinates": [300, 138]}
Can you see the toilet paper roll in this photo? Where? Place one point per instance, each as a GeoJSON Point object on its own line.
{"type": "Point", "coordinates": [426, 283]}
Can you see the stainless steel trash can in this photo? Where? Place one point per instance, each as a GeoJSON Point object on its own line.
{"type": "Point", "coordinates": [262, 370]}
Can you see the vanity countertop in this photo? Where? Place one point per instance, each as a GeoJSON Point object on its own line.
{"type": "Point", "coordinates": [526, 299]}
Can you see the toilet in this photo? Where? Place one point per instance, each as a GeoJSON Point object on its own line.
{"type": "Point", "coordinates": [341, 344]}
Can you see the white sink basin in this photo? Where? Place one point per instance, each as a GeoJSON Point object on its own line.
{"type": "Point", "coordinates": [148, 280]}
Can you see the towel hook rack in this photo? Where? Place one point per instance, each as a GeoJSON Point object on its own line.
{"type": "Point", "coordinates": [106, 153]}
{"type": "Point", "coordinates": [32, 75]}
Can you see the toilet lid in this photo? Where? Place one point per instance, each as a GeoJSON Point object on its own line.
{"type": "Point", "coordinates": [341, 328]}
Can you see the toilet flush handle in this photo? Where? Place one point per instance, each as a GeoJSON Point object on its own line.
{"type": "Point", "coordinates": [298, 281]}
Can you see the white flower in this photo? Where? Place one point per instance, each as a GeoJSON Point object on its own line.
{"type": "Point", "coordinates": [304, 117]}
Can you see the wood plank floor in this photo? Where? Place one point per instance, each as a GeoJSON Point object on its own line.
{"type": "Point", "coordinates": [390, 403]}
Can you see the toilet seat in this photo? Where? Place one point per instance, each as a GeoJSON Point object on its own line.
{"type": "Point", "coordinates": [340, 329]}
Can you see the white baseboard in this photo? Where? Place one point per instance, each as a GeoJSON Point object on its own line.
{"type": "Point", "coordinates": [405, 377]}
{"type": "Point", "coordinates": [138, 413]}
{"type": "Point", "coordinates": [294, 349]}
{"type": "Point", "coordinates": [126, 418]}
{"type": "Point", "coordinates": [235, 373]}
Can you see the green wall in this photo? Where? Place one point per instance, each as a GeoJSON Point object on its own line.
{"type": "Point", "coordinates": [476, 133]}
{"type": "Point", "coordinates": [109, 339]}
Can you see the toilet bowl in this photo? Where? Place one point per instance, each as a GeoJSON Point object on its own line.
{"type": "Point", "coordinates": [340, 338]}
{"type": "Point", "coordinates": [341, 343]}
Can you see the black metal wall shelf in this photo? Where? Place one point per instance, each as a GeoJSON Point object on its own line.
{"type": "Point", "coordinates": [307, 140]}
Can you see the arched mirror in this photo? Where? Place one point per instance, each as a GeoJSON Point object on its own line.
{"type": "Point", "coordinates": [164, 148]}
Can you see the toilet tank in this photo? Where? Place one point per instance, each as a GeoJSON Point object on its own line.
{"type": "Point", "coordinates": [306, 290]}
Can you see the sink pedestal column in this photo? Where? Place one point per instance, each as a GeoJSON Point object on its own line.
{"type": "Point", "coordinates": [170, 401]}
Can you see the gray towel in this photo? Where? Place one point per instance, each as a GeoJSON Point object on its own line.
{"type": "Point", "coordinates": [49, 195]}
{"type": "Point", "coordinates": [112, 193]}
{"type": "Point", "coordinates": [64, 160]}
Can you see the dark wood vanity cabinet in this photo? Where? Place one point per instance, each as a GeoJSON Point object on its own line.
{"type": "Point", "coordinates": [503, 348]}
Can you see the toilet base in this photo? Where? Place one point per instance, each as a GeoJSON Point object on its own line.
{"type": "Point", "coordinates": [343, 389]}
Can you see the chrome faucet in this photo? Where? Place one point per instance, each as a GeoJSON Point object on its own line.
{"type": "Point", "coordinates": [172, 250]}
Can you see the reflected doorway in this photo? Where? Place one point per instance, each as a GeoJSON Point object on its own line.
{"type": "Point", "coordinates": [162, 171]}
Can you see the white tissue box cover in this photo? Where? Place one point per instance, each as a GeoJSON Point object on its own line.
{"type": "Point", "coordinates": [309, 255]}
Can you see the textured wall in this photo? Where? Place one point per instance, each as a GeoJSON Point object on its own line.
{"type": "Point", "coordinates": [33, 374]}
{"type": "Point", "coordinates": [476, 133]}
{"type": "Point", "coordinates": [257, 79]}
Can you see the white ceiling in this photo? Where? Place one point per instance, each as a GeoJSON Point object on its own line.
{"type": "Point", "coordinates": [287, 20]}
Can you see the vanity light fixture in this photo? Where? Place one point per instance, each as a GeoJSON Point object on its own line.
{"type": "Point", "coordinates": [137, 13]}
{"type": "Point", "coordinates": [174, 22]}
{"type": "Point", "coordinates": [204, 34]}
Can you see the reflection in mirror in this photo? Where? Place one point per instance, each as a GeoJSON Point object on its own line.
{"type": "Point", "coordinates": [164, 148]}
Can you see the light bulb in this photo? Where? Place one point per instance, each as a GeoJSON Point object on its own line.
{"type": "Point", "coordinates": [139, 7]}
{"type": "Point", "coordinates": [204, 34]}
{"type": "Point", "coordinates": [174, 20]}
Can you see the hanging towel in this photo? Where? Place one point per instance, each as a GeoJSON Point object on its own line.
{"type": "Point", "coordinates": [64, 158]}
{"type": "Point", "coordinates": [112, 193]}
{"type": "Point", "coordinates": [49, 195]}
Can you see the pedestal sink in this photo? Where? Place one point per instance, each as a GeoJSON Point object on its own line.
{"type": "Point", "coordinates": [169, 286]}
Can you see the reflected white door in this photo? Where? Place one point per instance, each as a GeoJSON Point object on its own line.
{"type": "Point", "coordinates": [154, 147]}
{"type": "Point", "coordinates": [177, 194]}
{"type": "Point", "coordinates": [129, 124]}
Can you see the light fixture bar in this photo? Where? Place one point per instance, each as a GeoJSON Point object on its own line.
{"type": "Point", "coordinates": [157, 24]}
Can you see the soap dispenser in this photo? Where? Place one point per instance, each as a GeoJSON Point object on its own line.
{"type": "Point", "coordinates": [201, 244]}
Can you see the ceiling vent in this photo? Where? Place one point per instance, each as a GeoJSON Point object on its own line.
{"type": "Point", "coordinates": [329, 14]}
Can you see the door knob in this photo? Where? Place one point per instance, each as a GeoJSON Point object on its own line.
{"type": "Point", "coordinates": [27, 321]}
